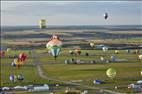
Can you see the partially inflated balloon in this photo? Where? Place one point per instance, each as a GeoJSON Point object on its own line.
{"type": "Point", "coordinates": [92, 44]}
{"type": "Point", "coordinates": [8, 50]}
{"type": "Point", "coordinates": [111, 73]}
{"type": "Point", "coordinates": [78, 51]}
{"type": "Point", "coordinates": [105, 49]}
{"type": "Point", "coordinates": [2, 53]}
{"type": "Point", "coordinates": [140, 57]}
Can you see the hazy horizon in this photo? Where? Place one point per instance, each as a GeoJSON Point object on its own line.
{"type": "Point", "coordinates": [66, 13]}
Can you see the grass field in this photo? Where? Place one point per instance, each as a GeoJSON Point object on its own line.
{"type": "Point", "coordinates": [127, 71]}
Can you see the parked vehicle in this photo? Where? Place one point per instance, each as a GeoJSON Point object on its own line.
{"type": "Point", "coordinates": [137, 87]}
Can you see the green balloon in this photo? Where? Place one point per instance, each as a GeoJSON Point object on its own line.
{"type": "Point", "coordinates": [111, 73]}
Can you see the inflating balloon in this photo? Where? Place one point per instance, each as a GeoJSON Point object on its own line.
{"type": "Point", "coordinates": [20, 77]}
{"type": "Point", "coordinates": [22, 56]}
{"type": "Point", "coordinates": [13, 64]}
{"type": "Point", "coordinates": [104, 49]}
{"type": "Point", "coordinates": [140, 57]}
{"type": "Point", "coordinates": [8, 50]}
{"type": "Point", "coordinates": [2, 53]}
{"type": "Point", "coordinates": [71, 52]}
{"type": "Point", "coordinates": [78, 51]}
{"type": "Point", "coordinates": [54, 46]}
{"type": "Point", "coordinates": [11, 77]}
{"type": "Point", "coordinates": [116, 52]}
{"type": "Point", "coordinates": [18, 62]}
{"type": "Point", "coordinates": [92, 44]}
{"type": "Point", "coordinates": [111, 73]}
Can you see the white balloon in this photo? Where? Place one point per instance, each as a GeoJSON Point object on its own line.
{"type": "Point", "coordinates": [140, 57]}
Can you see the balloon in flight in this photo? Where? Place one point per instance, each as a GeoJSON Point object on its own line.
{"type": "Point", "coordinates": [105, 15]}
{"type": "Point", "coordinates": [54, 46]}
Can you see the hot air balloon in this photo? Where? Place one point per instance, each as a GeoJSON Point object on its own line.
{"type": "Point", "coordinates": [2, 53]}
{"type": "Point", "coordinates": [111, 73]}
{"type": "Point", "coordinates": [71, 52]}
{"type": "Point", "coordinates": [78, 51]}
{"type": "Point", "coordinates": [92, 44]}
{"type": "Point", "coordinates": [22, 56]}
{"type": "Point", "coordinates": [116, 52]}
{"type": "Point", "coordinates": [13, 64]}
{"type": "Point", "coordinates": [105, 16]}
{"type": "Point", "coordinates": [42, 23]}
{"type": "Point", "coordinates": [104, 49]}
{"type": "Point", "coordinates": [20, 77]}
{"type": "Point", "coordinates": [113, 58]}
{"type": "Point", "coordinates": [18, 62]}
{"type": "Point", "coordinates": [11, 77]}
{"type": "Point", "coordinates": [54, 46]}
{"type": "Point", "coordinates": [8, 50]}
{"type": "Point", "coordinates": [140, 57]}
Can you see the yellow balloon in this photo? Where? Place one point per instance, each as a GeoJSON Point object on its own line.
{"type": "Point", "coordinates": [111, 72]}
{"type": "Point", "coordinates": [15, 60]}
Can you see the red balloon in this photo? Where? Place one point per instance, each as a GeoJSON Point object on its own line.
{"type": "Point", "coordinates": [2, 53]}
{"type": "Point", "coordinates": [22, 56]}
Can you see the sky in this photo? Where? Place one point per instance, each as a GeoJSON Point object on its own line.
{"type": "Point", "coordinates": [15, 13]}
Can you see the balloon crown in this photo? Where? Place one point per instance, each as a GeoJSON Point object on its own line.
{"type": "Point", "coordinates": [55, 37]}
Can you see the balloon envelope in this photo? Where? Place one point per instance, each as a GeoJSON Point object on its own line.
{"type": "Point", "coordinates": [54, 46]}
{"type": "Point", "coordinates": [140, 57]}
{"type": "Point", "coordinates": [8, 50]}
{"type": "Point", "coordinates": [55, 51]}
{"type": "Point", "coordinates": [92, 44]}
{"type": "Point", "coordinates": [111, 73]}
{"type": "Point", "coordinates": [22, 56]}
{"type": "Point", "coordinates": [106, 15]}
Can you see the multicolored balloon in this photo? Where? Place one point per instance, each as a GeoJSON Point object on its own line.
{"type": "Point", "coordinates": [18, 62]}
{"type": "Point", "coordinates": [111, 73]}
{"type": "Point", "coordinates": [54, 46]}
{"type": "Point", "coordinates": [22, 56]}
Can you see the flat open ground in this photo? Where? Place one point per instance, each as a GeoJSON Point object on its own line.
{"type": "Point", "coordinates": [128, 69]}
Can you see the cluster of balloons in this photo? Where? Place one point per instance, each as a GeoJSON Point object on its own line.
{"type": "Point", "coordinates": [77, 51]}
{"type": "Point", "coordinates": [14, 78]}
{"type": "Point", "coordinates": [54, 46]}
{"type": "Point", "coordinates": [20, 60]}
